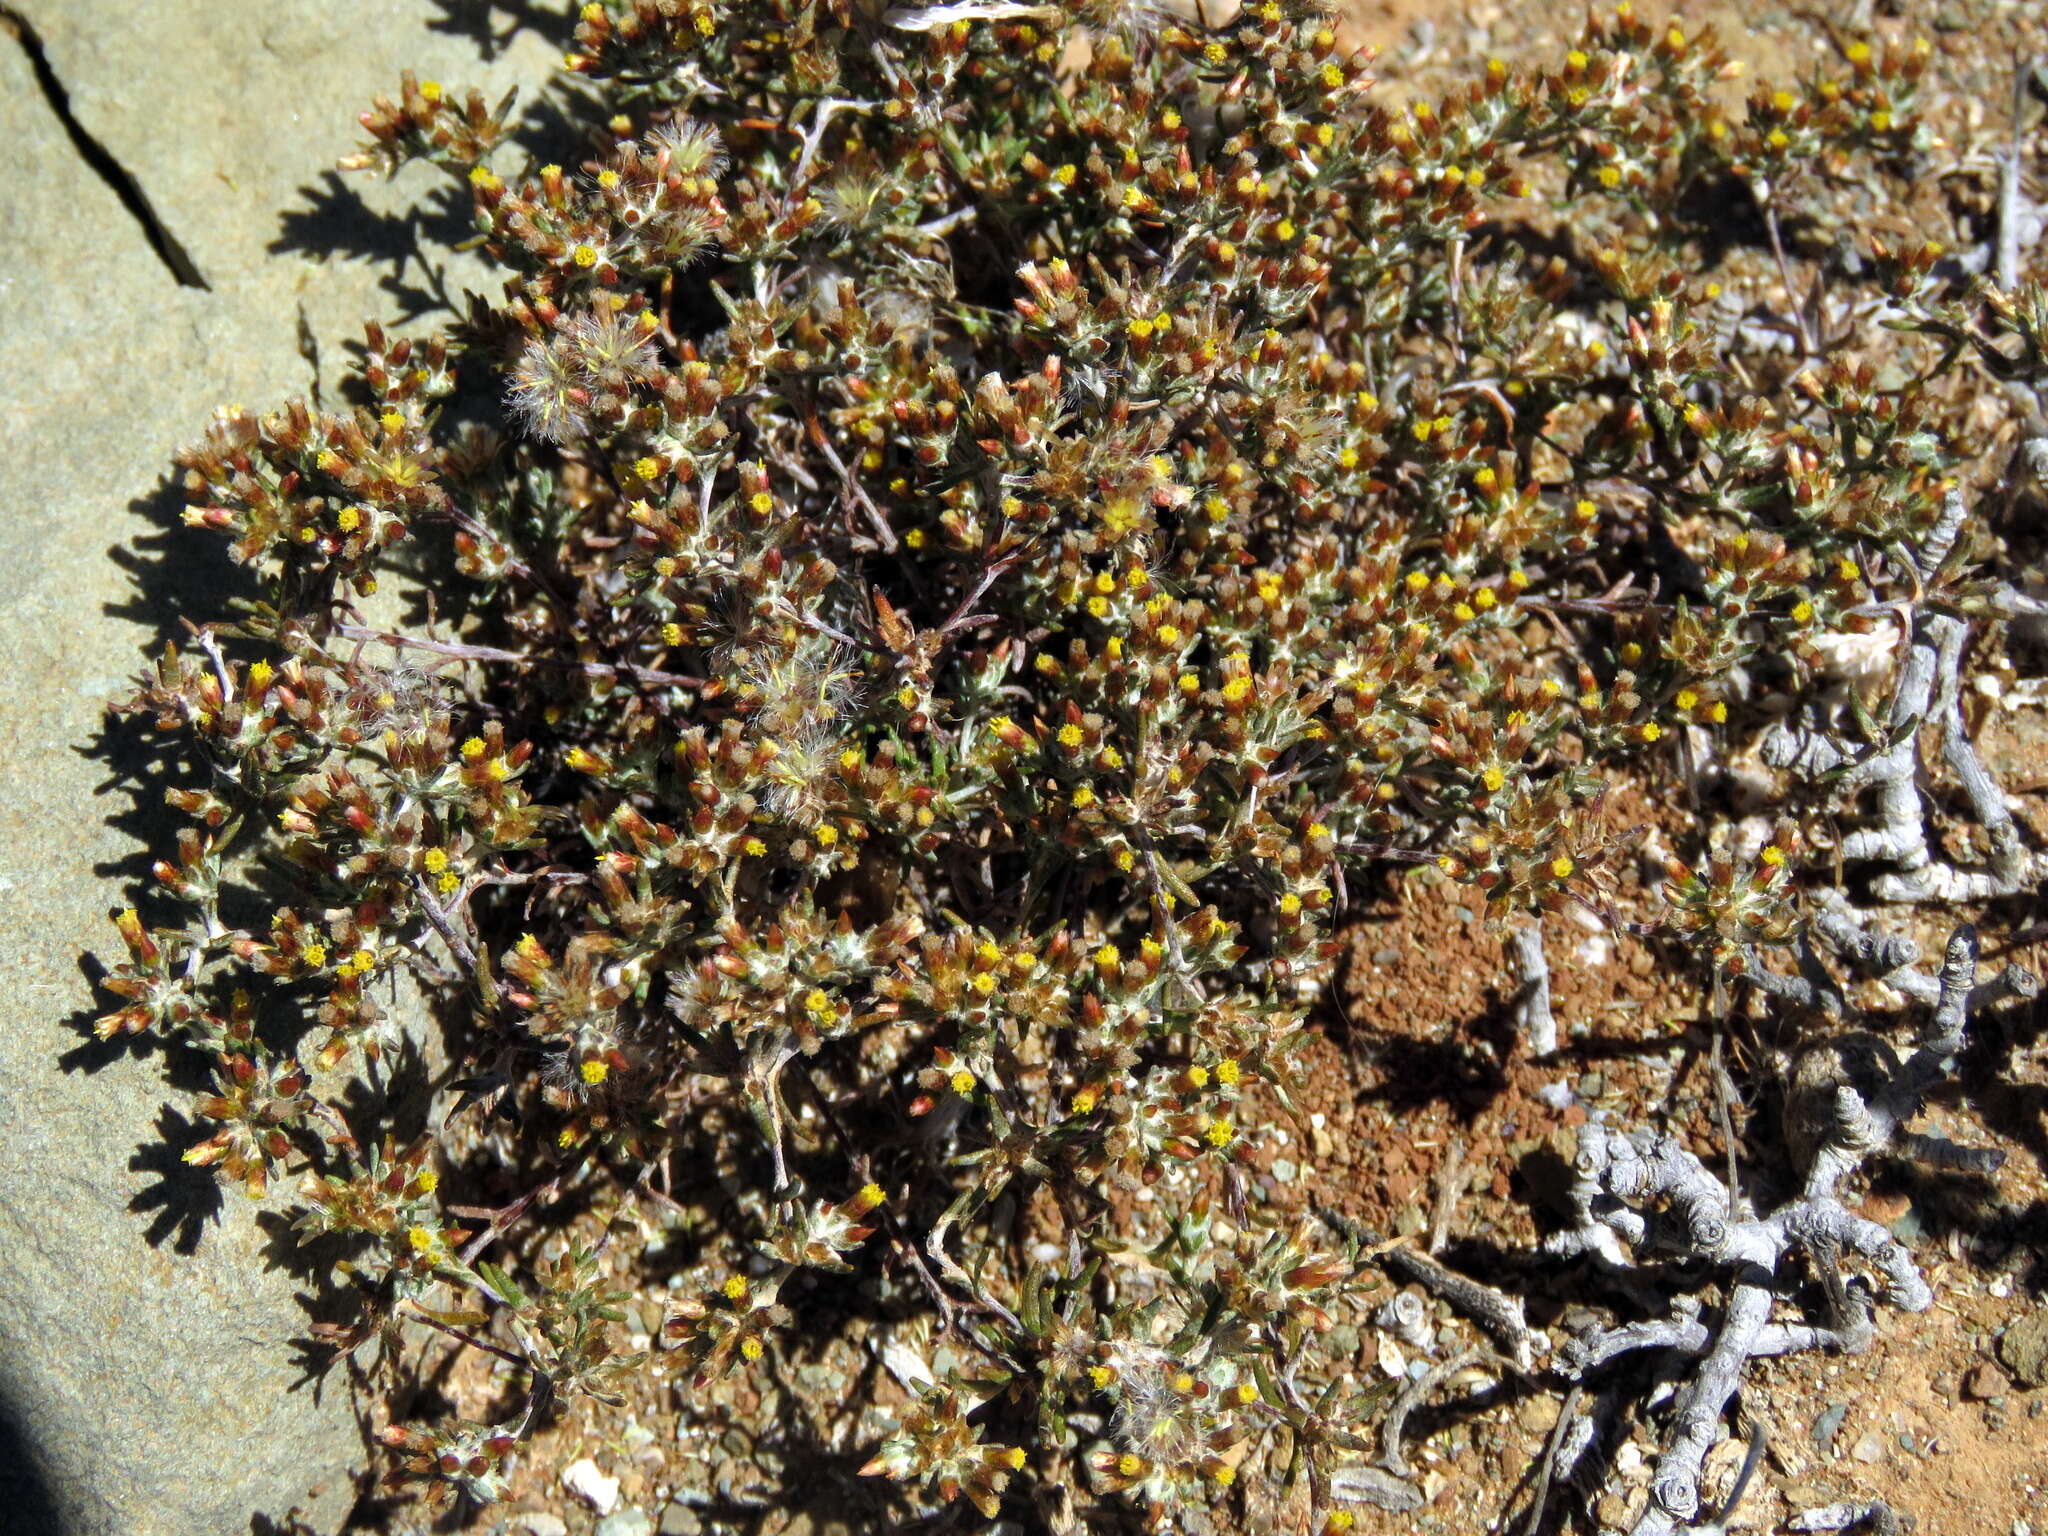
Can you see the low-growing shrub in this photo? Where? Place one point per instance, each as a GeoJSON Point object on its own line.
{"type": "Point", "coordinates": [967, 535]}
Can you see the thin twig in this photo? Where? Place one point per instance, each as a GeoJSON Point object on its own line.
{"type": "Point", "coordinates": [651, 675]}
{"type": "Point", "coordinates": [1546, 1470]}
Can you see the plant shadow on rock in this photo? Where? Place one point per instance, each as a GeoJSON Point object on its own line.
{"type": "Point", "coordinates": [335, 220]}
{"type": "Point", "coordinates": [184, 1199]}
{"type": "Point", "coordinates": [476, 20]}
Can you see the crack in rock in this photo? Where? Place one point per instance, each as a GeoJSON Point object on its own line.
{"type": "Point", "coordinates": [168, 250]}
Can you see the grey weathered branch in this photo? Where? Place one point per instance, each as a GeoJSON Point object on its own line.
{"type": "Point", "coordinates": [1532, 1003]}
{"type": "Point", "coordinates": [1639, 1195]}
{"type": "Point", "coordinates": [1926, 691]}
{"type": "Point", "coordinates": [1497, 1314]}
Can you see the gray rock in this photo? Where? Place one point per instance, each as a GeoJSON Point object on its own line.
{"type": "Point", "coordinates": [1829, 1424]}
{"type": "Point", "coordinates": [680, 1520]}
{"type": "Point", "coordinates": [2023, 1349]}
{"type": "Point", "coordinates": [627, 1522]}
{"type": "Point", "coordinates": [539, 1523]}
{"type": "Point", "coordinates": [150, 1377]}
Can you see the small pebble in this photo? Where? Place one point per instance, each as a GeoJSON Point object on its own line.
{"type": "Point", "coordinates": [1869, 1449]}
{"type": "Point", "coordinates": [583, 1479]}
{"type": "Point", "coordinates": [627, 1522]}
{"type": "Point", "coordinates": [539, 1523]}
{"type": "Point", "coordinates": [1982, 1382]}
{"type": "Point", "coordinates": [1829, 1424]}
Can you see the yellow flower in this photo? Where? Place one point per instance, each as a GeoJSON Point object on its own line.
{"type": "Point", "coordinates": [584, 255]}
{"type": "Point", "coordinates": [421, 1238]}
{"type": "Point", "coordinates": [750, 1348]}
{"type": "Point", "coordinates": [1071, 736]}
{"type": "Point", "coordinates": [473, 748]}
{"type": "Point", "coordinates": [1101, 1376]}
{"type": "Point", "coordinates": [436, 860]}
{"type": "Point", "coordinates": [735, 1288]}
{"type": "Point", "coordinates": [348, 519]}
{"type": "Point", "coordinates": [647, 467]}
{"type": "Point", "coordinates": [961, 1082]}
{"type": "Point", "coordinates": [1772, 855]}
{"type": "Point", "coordinates": [1235, 691]}
{"type": "Point", "coordinates": [1108, 957]}
{"type": "Point", "coordinates": [1228, 1072]}
{"type": "Point", "coordinates": [753, 847]}
{"type": "Point", "coordinates": [314, 955]}
{"type": "Point", "coordinates": [595, 1071]}
{"type": "Point", "coordinates": [1561, 867]}
{"type": "Point", "coordinates": [1130, 1464]}
{"type": "Point", "coordinates": [1493, 778]}
{"type": "Point", "coordinates": [1219, 1132]}
{"type": "Point", "coordinates": [1084, 1102]}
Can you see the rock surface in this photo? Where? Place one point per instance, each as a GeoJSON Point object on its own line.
{"type": "Point", "coordinates": [150, 1381]}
